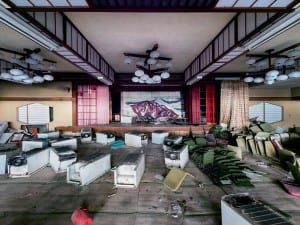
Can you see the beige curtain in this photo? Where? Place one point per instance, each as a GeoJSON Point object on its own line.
{"type": "Point", "coordinates": [234, 104]}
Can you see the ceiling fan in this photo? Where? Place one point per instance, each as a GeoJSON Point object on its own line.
{"type": "Point", "coordinates": [150, 58]}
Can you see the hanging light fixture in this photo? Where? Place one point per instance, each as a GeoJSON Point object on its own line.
{"type": "Point", "coordinates": [248, 79]}
{"type": "Point", "coordinates": [139, 73]}
{"type": "Point", "coordinates": [127, 60]}
{"type": "Point", "coordinates": [165, 75]}
{"type": "Point", "coordinates": [19, 69]}
{"type": "Point", "coordinates": [144, 73]}
{"type": "Point", "coordinates": [280, 66]}
{"type": "Point", "coordinates": [154, 54]}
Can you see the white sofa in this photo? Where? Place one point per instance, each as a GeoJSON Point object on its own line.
{"type": "Point", "coordinates": [28, 163]}
{"type": "Point", "coordinates": [48, 135]}
{"type": "Point", "coordinates": [135, 139]}
{"type": "Point", "coordinates": [88, 169]}
{"type": "Point", "coordinates": [60, 158]}
{"type": "Point", "coordinates": [29, 145]}
{"type": "Point", "coordinates": [63, 142]}
{"type": "Point", "coordinates": [176, 156]}
{"type": "Point", "coordinates": [171, 140]}
{"type": "Point", "coordinates": [130, 172]}
{"type": "Point", "coordinates": [159, 136]}
{"type": "Point", "coordinates": [105, 138]}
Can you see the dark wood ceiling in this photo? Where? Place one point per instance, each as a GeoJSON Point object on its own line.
{"type": "Point", "coordinates": [152, 5]}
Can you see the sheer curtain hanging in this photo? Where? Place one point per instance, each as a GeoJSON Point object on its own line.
{"type": "Point", "coordinates": [234, 104]}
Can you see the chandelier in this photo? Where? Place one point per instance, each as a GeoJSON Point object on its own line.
{"type": "Point", "coordinates": [273, 66]}
{"type": "Point", "coordinates": [26, 68]}
{"type": "Point", "coordinates": [151, 68]}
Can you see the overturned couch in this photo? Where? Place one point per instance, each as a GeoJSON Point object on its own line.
{"type": "Point", "coordinates": [88, 168]}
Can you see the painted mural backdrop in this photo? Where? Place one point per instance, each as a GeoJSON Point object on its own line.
{"type": "Point", "coordinates": [154, 104]}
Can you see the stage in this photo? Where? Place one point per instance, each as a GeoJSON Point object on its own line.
{"type": "Point", "coordinates": [119, 129]}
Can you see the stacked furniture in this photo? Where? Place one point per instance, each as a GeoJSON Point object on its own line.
{"type": "Point", "coordinates": [48, 135]}
{"type": "Point", "coordinates": [60, 158]}
{"type": "Point", "coordinates": [88, 168]}
{"type": "Point", "coordinates": [64, 142]}
{"type": "Point", "coordinates": [129, 173]}
{"type": "Point", "coordinates": [171, 140]}
{"type": "Point", "coordinates": [28, 145]}
{"type": "Point", "coordinates": [29, 162]}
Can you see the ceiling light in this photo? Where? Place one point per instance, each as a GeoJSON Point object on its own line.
{"type": "Point", "coordinates": [282, 77]}
{"type": "Point", "coordinates": [135, 79]}
{"type": "Point", "coordinates": [17, 78]}
{"type": "Point", "coordinates": [31, 61]}
{"type": "Point", "coordinates": [127, 60]}
{"type": "Point", "coordinates": [144, 72]}
{"type": "Point", "coordinates": [150, 81]}
{"type": "Point", "coordinates": [258, 80]}
{"type": "Point", "coordinates": [154, 54]}
{"type": "Point", "coordinates": [272, 73]}
{"type": "Point", "coordinates": [294, 74]}
{"type": "Point", "coordinates": [156, 78]}
{"type": "Point", "coordinates": [144, 77]}
{"type": "Point", "coordinates": [248, 79]}
{"type": "Point", "coordinates": [16, 72]}
{"type": "Point", "coordinates": [269, 82]}
{"type": "Point", "coordinates": [36, 56]}
{"type": "Point", "coordinates": [262, 63]}
{"type": "Point", "coordinates": [48, 77]}
{"type": "Point", "coordinates": [6, 75]}
{"type": "Point", "coordinates": [38, 79]}
{"type": "Point", "coordinates": [139, 73]}
{"type": "Point", "coordinates": [165, 75]}
{"type": "Point", "coordinates": [28, 81]}
{"type": "Point", "coordinates": [151, 61]}
{"type": "Point", "coordinates": [268, 78]}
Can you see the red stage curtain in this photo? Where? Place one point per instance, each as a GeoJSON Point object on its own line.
{"type": "Point", "coordinates": [192, 104]}
{"type": "Point", "coordinates": [210, 103]}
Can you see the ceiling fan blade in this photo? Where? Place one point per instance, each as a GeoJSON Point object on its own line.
{"type": "Point", "coordinates": [36, 50]}
{"type": "Point", "coordinates": [28, 51]}
{"type": "Point", "coordinates": [135, 55]}
{"type": "Point", "coordinates": [155, 47]}
{"type": "Point", "coordinates": [164, 58]}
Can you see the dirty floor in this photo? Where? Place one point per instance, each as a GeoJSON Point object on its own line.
{"type": "Point", "coordinates": [46, 199]}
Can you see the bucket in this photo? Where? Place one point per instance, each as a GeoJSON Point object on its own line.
{"type": "Point", "coordinates": [81, 217]}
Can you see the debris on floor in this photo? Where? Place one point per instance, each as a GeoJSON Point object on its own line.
{"type": "Point", "coordinates": [176, 208]}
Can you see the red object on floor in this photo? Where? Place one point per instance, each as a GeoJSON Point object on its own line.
{"type": "Point", "coordinates": [292, 189]}
{"type": "Point", "coordinates": [81, 217]}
